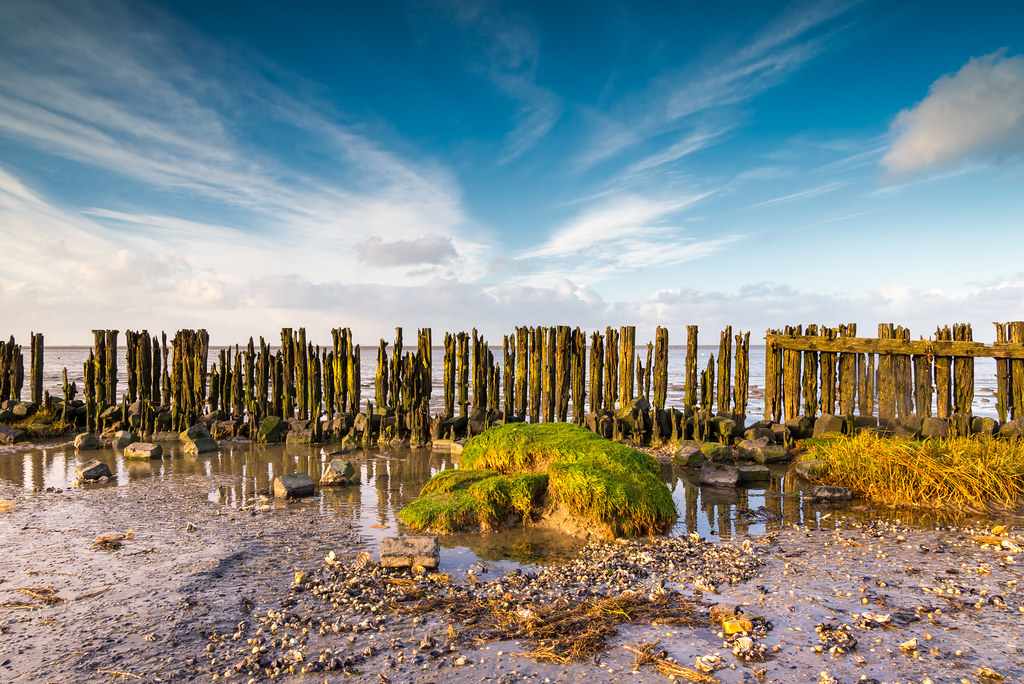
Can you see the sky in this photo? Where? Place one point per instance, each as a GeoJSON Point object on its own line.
{"type": "Point", "coordinates": [243, 166]}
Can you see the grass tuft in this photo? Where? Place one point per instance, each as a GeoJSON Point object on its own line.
{"type": "Point", "coordinates": [507, 469]}
{"type": "Point", "coordinates": [968, 475]}
{"type": "Point", "coordinates": [45, 424]}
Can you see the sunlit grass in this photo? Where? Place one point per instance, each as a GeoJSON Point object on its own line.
{"type": "Point", "coordinates": [45, 424]}
{"type": "Point", "coordinates": [961, 474]}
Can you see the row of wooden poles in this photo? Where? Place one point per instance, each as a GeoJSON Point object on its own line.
{"type": "Point", "coordinates": [823, 370]}
{"type": "Point", "coordinates": [544, 374]}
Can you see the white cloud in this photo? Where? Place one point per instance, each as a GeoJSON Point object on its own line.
{"type": "Point", "coordinates": [429, 249]}
{"type": "Point", "coordinates": [974, 114]}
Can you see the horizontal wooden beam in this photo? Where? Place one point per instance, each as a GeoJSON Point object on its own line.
{"type": "Point", "coordinates": [871, 345]}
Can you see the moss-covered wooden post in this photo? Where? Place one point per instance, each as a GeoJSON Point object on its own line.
{"type": "Point", "coordinates": [425, 364]}
{"type": "Point", "coordinates": [627, 351]}
{"type": "Point", "coordinates": [904, 377]}
{"type": "Point", "coordinates": [707, 387]}
{"type": "Point", "coordinates": [450, 364]}
{"type": "Point", "coordinates": [596, 371]}
{"type": "Point", "coordinates": [648, 371]}
{"type": "Point", "coordinates": [847, 373]}
{"type": "Point", "coordinates": [810, 377]}
{"type": "Point", "coordinates": [886, 376]}
{"type": "Point", "coordinates": [355, 365]}
{"type": "Point", "coordinates": [111, 367]}
{"type": "Point", "coordinates": [828, 374]}
{"type": "Point", "coordinates": [563, 372]}
{"type": "Point", "coordinates": [791, 375]}
{"type": "Point", "coordinates": [611, 368]}
{"type": "Point", "coordinates": [724, 369]}
{"type": "Point", "coordinates": [238, 386]}
{"type": "Point", "coordinates": [772, 378]}
{"type": "Point", "coordinates": [660, 367]}
{"type": "Point", "coordinates": [522, 370]}
{"type": "Point", "coordinates": [100, 355]}
{"type": "Point", "coordinates": [579, 376]}
{"type": "Point", "coordinates": [536, 371]}
{"type": "Point", "coordinates": [1015, 335]}
{"type": "Point", "coordinates": [691, 366]}
{"type": "Point", "coordinates": [380, 381]}
{"type": "Point", "coordinates": [251, 403]}
{"type": "Point", "coordinates": [214, 389]}
{"type": "Point", "coordinates": [89, 372]}
{"type": "Point", "coordinates": [742, 382]}
{"type": "Point", "coordinates": [508, 360]}
{"type": "Point", "coordinates": [1003, 396]}
{"type": "Point", "coordinates": [963, 372]}
{"type": "Point", "coordinates": [922, 385]}
{"type": "Point", "coordinates": [36, 370]}
{"type": "Point", "coordinates": [463, 373]}
{"type": "Point", "coordinates": [277, 385]}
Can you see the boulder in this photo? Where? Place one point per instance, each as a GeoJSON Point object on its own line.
{"type": "Point", "coordinates": [772, 453]}
{"type": "Point", "coordinates": [800, 427]}
{"type": "Point", "coordinates": [123, 438]}
{"type": "Point", "coordinates": [294, 486]}
{"type": "Point", "coordinates": [164, 436]}
{"type": "Point", "coordinates": [987, 427]}
{"type": "Point", "coordinates": [338, 472]}
{"type": "Point", "coordinates": [723, 427]}
{"type": "Point", "coordinates": [1012, 429]}
{"type": "Point", "coordinates": [865, 421]}
{"type": "Point", "coordinates": [300, 435]}
{"type": "Point", "coordinates": [197, 431]}
{"type": "Point", "coordinates": [93, 470]}
{"type": "Point", "coordinates": [271, 430]}
{"type": "Point", "coordinates": [9, 435]}
{"type": "Point", "coordinates": [143, 450]}
{"type": "Point", "coordinates": [757, 433]}
{"type": "Point", "coordinates": [753, 473]}
{"type": "Point", "coordinates": [718, 475]}
{"type": "Point", "coordinates": [935, 428]}
{"type": "Point", "coordinates": [825, 493]}
{"type": "Point", "coordinates": [7, 416]}
{"type": "Point", "coordinates": [111, 414]}
{"type": "Point", "coordinates": [689, 455]}
{"type": "Point", "coordinates": [24, 409]}
{"type": "Point", "coordinates": [86, 441]}
{"type": "Point", "coordinates": [405, 552]}
{"type": "Point", "coordinates": [200, 446]}
{"type": "Point", "coordinates": [827, 423]}
{"type": "Point", "coordinates": [720, 453]}
{"type": "Point", "coordinates": [811, 468]}
{"type": "Point", "coordinates": [912, 423]}
{"type": "Point", "coordinates": [781, 433]}
{"type": "Point", "coordinates": [747, 449]}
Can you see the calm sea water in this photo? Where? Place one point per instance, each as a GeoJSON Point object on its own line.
{"type": "Point", "coordinates": [73, 358]}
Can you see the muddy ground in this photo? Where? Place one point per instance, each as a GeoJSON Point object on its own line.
{"type": "Point", "coordinates": [194, 568]}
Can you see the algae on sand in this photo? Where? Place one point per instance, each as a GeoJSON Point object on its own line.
{"type": "Point", "coordinates": [521, 470]}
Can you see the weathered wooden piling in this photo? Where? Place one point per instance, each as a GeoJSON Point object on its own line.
{"type": "Point", "coordinates": [100, 359]}
{"type": "Point", "coordinates": [791, 375]}
{"type": "Point", "coordinates": [847, 373]}
{"type": "Point", "coordinates": [579, 376]}
{"type": "Point", "coordinates": [611, 367]}
{"type": "Point", "coordinates": [450, 364]}
{"type": "Point", "coordinates": [827, 403]}
{"type": "Point", "coordinates": [724, 366]}
{"type": "Point", "coordinates": [89, 373]}
{"type": "Point", "coordinates": [627, 351]}
{"type": "Point", "coordinates": [963, 372]}
{"type": "Point", "coordinates": [707, 387]}
{"type": "Point", "coordinates": [810, 376]}
{"type": "Point", "coordinates": [508, 355]}
{"type": "Point", "coordinates": [691, 366]}
{"type": "Point", "coordinates": [660, 382]}
{"type": "Point", "coordinates": [886, 376]}
{"type": "Point", "coordinates": [742, 383]}
{"type": "Point", "coordinates": [463, 358]}
{"type": "Point", "coordinates": [380, 382]}
{"type": "Point", "coordinates": [36, 369]}
{"type": "Point", "coordinates": [772, 378]}
{"type": "Point", "coordinates": [111, 367]}
{"type": "Point", "coordinates": [904, 377]}
{"type": "Point", "coordinates": [1015, 335]}
{"type": "Point", "coordinates": [550, 368]}
{"type": "Point", "coordinates": [563, 376]}
{"type": "Point", "coordinates": [536, 372]}
{"type": "Point", "coordinates": [522, 371]}
{"type": "Point", "coordinates": [596, 371]}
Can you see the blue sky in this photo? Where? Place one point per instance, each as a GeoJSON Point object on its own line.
{"type": "Point", "coordinates": [241, 166]}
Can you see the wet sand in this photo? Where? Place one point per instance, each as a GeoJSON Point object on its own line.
{"type": "Point", "coordinates": [195, 568]}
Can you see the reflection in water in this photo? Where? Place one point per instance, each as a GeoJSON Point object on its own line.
{"type": "Point", "coordinates": [391, 477]}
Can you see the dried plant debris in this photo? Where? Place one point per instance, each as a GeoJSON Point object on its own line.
{"type": "Point", "coordinates": [112, 542]}
{"type": "Point", "coordinates": [647, 653]}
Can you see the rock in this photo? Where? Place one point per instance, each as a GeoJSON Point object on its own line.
{"type": "Point", "coordinates": [827, 423]}
{"type": "Point", "coordinates": [338, 472]}
{"type": "Point", "coordinates": [747, 449]}
{"type": "Point", "coordinates": [722, 610]}
{"type": "Point", "coordinates": [197, 431]}
{"type": "Point", "coordinates": [405, 552]}
{"type": "Point", "coordinates": [271, 430]}
{"type": "Point", "coordinates": [935, 428]}
{"type": "Point", "coordinates": [718, 475]}
{"type": "Point", "coordinates": [86, 441]}
{"type": "Point", "coordinates": [720, 453]}
{"type": "Point", "coordinates": [865, 421]}
{"type": "Point", "coordinates": [165, 436]}
{"type": "Point", "coordinates": [24, 409]}
{"type": "Point", "coordinates": [781, 433]}
{"type": "Point", "coordinates": [753, 473]}
{"type": "Point", "coordinates": [111, 413]}
{"type": "Point", "coordinates": [811, 468]}
{"type": "Point", "coordinates": [93, 470]}
{"type": "Point", "coordinates": [7, 416]}
{"type": "Point", "coordinates": [300, 435]}
{"type": "Point", "coordinates": [123, 438]}
{"type": "Point", "coordinates": [799, 427]}
{"type": "Point", "coordinates": [723, 426]}
{"type": "Point", "coordinates": [756, 433]}
{"type": "Point", "coordinates": [987, 427]}
{"type": "Point", "coordinates": [143, 450]}
{"type": "Point", "coordinates": [294, 486]}
{"type": "Point", "coordinates": [689, 455]}
{"type": "Point", "coordinates": [9, 435]}
{"type": "Point", "coordinates": [825, 493]}
{"type": "Point", "coordinates": [200, 446]}
{"type": "Point", "coordinates": [773, 453]}
{"type": "Point", "coordinates": [912, 423]}
{"type": "Point", "coordinates": [457, 446]}
{"type": "Point", "coordinates": [1012, 429]}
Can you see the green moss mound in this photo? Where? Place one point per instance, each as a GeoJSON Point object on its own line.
{"type": "Point", "coordinates": [519, 468]}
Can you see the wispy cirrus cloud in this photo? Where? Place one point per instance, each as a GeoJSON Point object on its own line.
{"type": "Point", "coordinates": [975, 115]}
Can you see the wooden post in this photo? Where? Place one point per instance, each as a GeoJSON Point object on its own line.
{"type": "Point", "coordinates": [742, 383]}
{"type": "Point", "coordinates": [847, 373]}
{"type": "Point", "coordinates": [579, 376]}
{"type": "Point", "coordinates": [100, 349]}
{"type": "Point", "coordinates": [866, 389]}
{"type": "Point", "coordinates": [522, 370]}
{"type": "Point", "coordinates": [36, 372]}
{"type": "Point", "coordinates": [627, 351]}
{"type": "Point", "coordinates": [611, 367]}
{"type": "Point", "coordinates": [691, 366]}
{"type": "Point", "coordinates": [1004, 404]}
{"type": "Point", "coordinates": [550, 367]}
{"type": "Point", "coordinates": [380, 382]}
{"type": "Point", "coordinates": [89, 371]}
{"type": "Point", "coordinates": [563, 372]}
{"type": "Point", "coordinates": [425, 363]}
{"type": "Point", "coordinates": [886, 376]}
{"type": "Point", "coordinates": [707, 387]}
{"type": "Point", "coordinates": [111, 367]}
{"type": "Point", "coordinates": [301, 374]}
{"type": "Point", "coordinates": [648, 372]}
{"type": "Point", "coordinates": [904, 377]}
{"type": "Point", "coordinates": [1016, 385]}
{"type": "Point", "coordinates": [536, 372]}
{"type": "Point", "coordinates": [810, 380]}
{"type": "Point", "coordinates": [922, 385]}
{"type": "Point", "coordinates": [828, 375]}
{"type": "Point", "coordinates": [463, 340]}
{"type": "Point", "coordinates": [660, 367]}
{"type": "Point", "coordinates": [450, 365]}
{"type": "Point", "coordinates": [772, 379]}
{"type": "Point", "coordinates": [963, 372]}
{"type": "Point", "coordinates": [791, 376]}
{"type": "Point", "coordinates": [508, 361]}
{"type": "Point", "coordinates": [724, 368]}
{"type": "Point", "coordinates": [596, 371]}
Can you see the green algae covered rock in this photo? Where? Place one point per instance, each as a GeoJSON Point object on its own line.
{"type": "Point", "coordinates": [523, 471]}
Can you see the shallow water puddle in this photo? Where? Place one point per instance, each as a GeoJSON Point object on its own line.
{"type": "Point", "coordinates": [390, 478]}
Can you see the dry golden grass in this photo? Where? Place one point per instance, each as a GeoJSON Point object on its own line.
{"type": "Point", "coordinates": [960, 474]}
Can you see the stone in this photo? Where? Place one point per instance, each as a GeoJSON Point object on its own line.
{"type": "Point", "coordinates": [24, 409]}
{"type": "Point", "coordinates": [773, 453]}
{"type": "Point", "coordinates": [1012, 429]}
{"type": "Point", "coordinates": [197, 431]}
{"type": "Point", "coordinates": [9, 435]}
{"type": "Point", "coordinates": [7, 416]}
{"type": "Point", "coordinates": [912, 423]}
{"type": "Point", "coordinates": [689, 455]}
{"type": "Point", "coordinates": [200, 446]}
{"type": "Point", "coordinates": [800, 427]}
{"type": "Point", "coordinates": [720, 453]}
{"type": "Point", "coordinates": [300, 435]}
{"type": "Point", "coordinates": [86, 441]}
{"type": "Point", "coordinates": [143, 450]}
{"type": "Point", "coordinates": [338, 472]}
{"type": "Point", "coordinates": [935, 428]}
{"type": "Point", "coordinates": [111, 413]}
{"type": "Point", "coordinates": [827, 423]}
{"type": "Point", "coordinates": [811, 468]}
{"type": "Point", "coordinates": [123, 438]}
{"type": "Point", "coordinates": [457, 447]}
{"type": "Point", "coordinates": [164, 436]}
{"type": "Point", "coordinates": [756, 433]}
{"type": "Point", "coordinates": [780, 432]}
{"type": "Point", "coordinates": [753, 473]}
{"type": "Point", "coordinates": [865, 421]}
{"type": "Point", "coordinates": [723, 426]}
{"type": "Point", "coordinates": [271, 430]}
{"type": "Point", "coordinates": [826, 493]}
{"type": "Point", "coordinates": [747, 449]}
{"type": "Point", "coordinates": [718, 475]}
{"type": "Point", "coordinates": [93, 470]}
{"type": "Point", "coordinates": [294, 486]}
{"type": "Point", "coordinates": [405, 552]}
{"type": "Point", "coordinates": [987, 427]}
